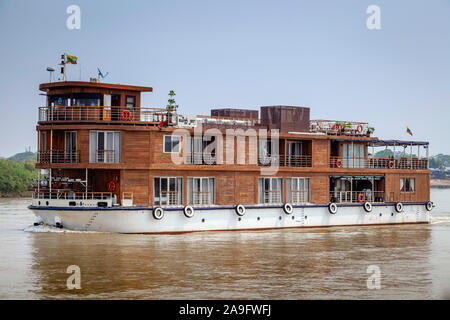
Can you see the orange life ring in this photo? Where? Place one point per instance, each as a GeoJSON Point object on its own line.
{"type": "Point", "coordinates": [391, 164]}
{"type": "Point", "coordinates": [126, 115]}
{"type": "Point", "coordinates": [339, 163]}
{"type": "Point", "coordinates": [359, 129]}
{"type": "Point", "coordinates": [335, 127]}
{"type": "Point", "coordinates": [111, 186]}
{"type": "Point", "coordinates": [361, 197]}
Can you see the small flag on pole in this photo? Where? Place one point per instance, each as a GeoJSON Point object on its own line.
{"type": "Point", "coordinates": [71, 59]}
{"type": "Point", "coordinates": [408, 130]}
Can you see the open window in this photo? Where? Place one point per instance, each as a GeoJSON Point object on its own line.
{"type": "Point", "coordinates": [104, 147]}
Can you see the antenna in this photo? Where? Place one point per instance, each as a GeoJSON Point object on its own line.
{"type": "Point", "coordinates": [51, 70]}
{"type": "Point", "coordinates": [100, 74]}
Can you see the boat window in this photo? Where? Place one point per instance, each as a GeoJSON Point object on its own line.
{"type": "Point", "coordinates": [104, 147]}
{"type": "Point", "coordinates": [201, 191]}
{"type": "Point", "coordinates": [297, 190]}
{"type": "Point", "coordinates": [407, 185]}
{"type": "Point", "coordinates": [167, 191]}
{"type": "Point", "coordinates": [86, 99]}
{"type": "Point", "coordinates": [270, 190]}
{"type": "Point", "coordinates": [171, 144]}
{"type": "Point", "coordinates": [58, 100]}
{"type": "Point", "coordinates": [130, 101]}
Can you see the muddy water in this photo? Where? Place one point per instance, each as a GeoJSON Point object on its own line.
{"type": "Point", "coordinates": [331, 263]}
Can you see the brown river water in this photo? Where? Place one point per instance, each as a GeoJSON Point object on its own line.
{"type": "Point", "coordinates": [327, 263]}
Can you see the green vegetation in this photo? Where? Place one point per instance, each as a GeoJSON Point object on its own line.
{"type": "Point", "coordinates": [440, 161]}
{"type": "Point", "coordinates": [16, 177]}
{"type": "Point", "coordinates": [23, 156]}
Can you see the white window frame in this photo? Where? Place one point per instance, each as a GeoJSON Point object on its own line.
{"type": "Point", "coordinates": [117, 153]}
{"type": "Point", "coordinates": [211, 197]}
{"type": "Point", "coordinates": [262, 191]}
{"type": "Point", "coordinates": [178, 192]}
{"type": "Point", "coordinates": [293, 189]}
{"type": "Point", "coordinates": [171, 143]}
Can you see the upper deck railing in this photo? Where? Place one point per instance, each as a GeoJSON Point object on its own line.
{"type": "Point", "coordinates": [379, 163]}
{"type": "Point", "coordinates": [105, 114]}
{"type": "Point", "coordinates": [346, 128]}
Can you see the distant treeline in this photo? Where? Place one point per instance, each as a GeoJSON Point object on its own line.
{"type": "Point", "coordinates": [16, 177]}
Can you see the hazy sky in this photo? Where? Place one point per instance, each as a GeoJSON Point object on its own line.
{"type": "Point", "coordinates": [244, 54]}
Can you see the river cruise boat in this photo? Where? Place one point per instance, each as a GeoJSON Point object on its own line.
{"type": "Point", "coordinates": [108, 164]}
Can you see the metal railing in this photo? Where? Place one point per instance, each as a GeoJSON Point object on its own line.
{"type": "Point", "coordinates": [105, 156]}
{"type": "Point", "coordinates": [105, 114]}
{"type": "Point", "coordinates": [285, 161]}
{"type": "Point", "coordinates": [201, 197]}
{"type": "Point", "coordinates": [299, 196]}
{"type": "Point", "coordinates": [379, 163]}
{"type": "Point", "coordinates": [200, 158]}
{"type": "Point", "coordinates": [272, 196]}
{"type": "Point", "coordinates": [72, 195]}
{"type": "Point", "coordinates": [170, 198]}
{"type": "Point", "coordinates": [334, 127]}
{"type": "Point", "coordinates": [58, 156]}
{"type": "Point", "coordinates": [357, 196]}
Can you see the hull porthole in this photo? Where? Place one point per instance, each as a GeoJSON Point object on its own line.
{"type": "Point", "coordinates": [332, 207]}
{"type": "Point", "coordinates": [158, 213]}
{"type": "Point", "coordinates": [288, 209]}
{"type": "Point", "coordinates": [367, 206]}
{"type": "Point", "coordinates": [188, 211]}
{"type": "Point", "coordinates": [240, 210]}
{"type": "Point", "coordinates": [399, 207]}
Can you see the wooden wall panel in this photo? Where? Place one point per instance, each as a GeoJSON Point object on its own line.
{"type": "Point", "coordinates": [136, 148]}
{"type": "Point", "coordinates": [321, 153]}
{"type": "Point", "coordinates": [137, 182]}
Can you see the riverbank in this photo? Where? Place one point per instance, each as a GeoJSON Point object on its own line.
{"type": "Point", "coordinates": [439, 183]}
{"type": "Point", "coordinates": [20, 195]}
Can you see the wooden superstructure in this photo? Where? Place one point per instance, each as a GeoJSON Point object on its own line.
{"type": "Point", "coordinates": [96, 138]}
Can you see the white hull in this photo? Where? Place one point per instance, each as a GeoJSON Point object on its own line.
{"type": "Point", "coordinates": [136, 220]}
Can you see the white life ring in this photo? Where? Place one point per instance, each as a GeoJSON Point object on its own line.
{"type": "Point", "coordinates": [429, 206]}
{"type": "Point", "coordinates": [288, 208]}
{"type": "Point", "coordinates": [158, 213]}
{"type": "Point", "coordinates": [188, 211]}
{"type": "Point", "coordinates": [333, 208]}
{"type": "Point", "coordinates": [240, 210]}
{"type": "Point", "coordinates": [367, 206]}
{"type": "Point", "coordinates": [399, 207]}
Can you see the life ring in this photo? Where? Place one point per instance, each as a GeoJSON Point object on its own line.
{"type": "Point", "coordinates": [288, 208]}
{"type": "Point", "coordinates": [332, 207]}
{"type": "Point", "coordinates": [158, 213]}
{"type": "Point", "coordinates": [361, 197]}
{"type": "Point", "coordinates": [399, 207]}
{"type": "Point", "coordinates": [339, 163]}
{"type": "Point", "coordinates": [359, 129]}
{"type": "Point", "coordinates": [335, 127]}
{"type": "Point", "coordinates": [240, 210]}
{"type": "Point", "coordinates": [111, 186]}
{"type": "Point", "coordinates": [126, 115]}
{"type": "Point", "coordinates": [390, 164]}
{"type": "Point", "coordinates": [367, 206]}
{"type": "Point", "coordinates": [429, 206]}
{"type": "Point", "coordinates": [188, 211]}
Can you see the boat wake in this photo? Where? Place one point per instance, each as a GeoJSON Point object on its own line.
{"type": "Point", "coordinates": [44, 228]}
{"type": "Point", "coordinates": [440, 220]}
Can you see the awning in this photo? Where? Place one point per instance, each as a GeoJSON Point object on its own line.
{"type": "Point", "coordinates": [399, 143]}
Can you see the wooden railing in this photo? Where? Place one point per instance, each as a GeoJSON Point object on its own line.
{"type": "Point", "coordinates": [357, 196]}
{"type": "Point", "coordinates": [72, 195]}
{"type": "Point", "coordinates": [379, 163]}
{"type": "Point", "coordinates": [58, 156]}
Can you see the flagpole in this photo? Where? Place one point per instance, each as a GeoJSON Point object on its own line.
{"type": "Point", "coordinates": [64, 66]}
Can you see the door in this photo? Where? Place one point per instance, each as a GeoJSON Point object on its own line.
{"type": "Point", "coordinates": [70, 148]}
